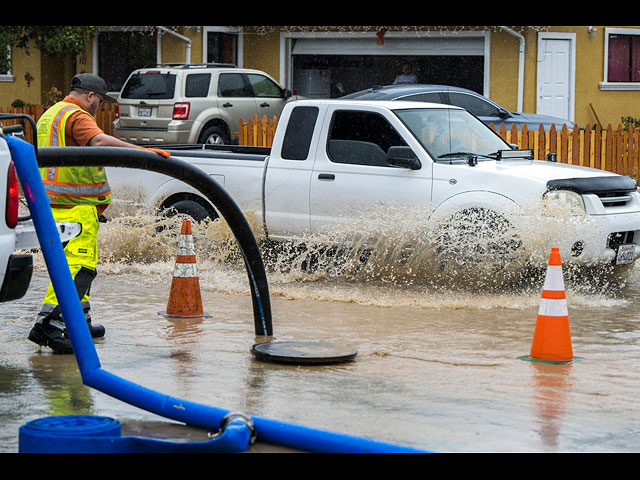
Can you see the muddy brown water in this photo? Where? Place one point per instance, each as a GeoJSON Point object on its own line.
{"type": "Point", "coordinates": [437, 365]}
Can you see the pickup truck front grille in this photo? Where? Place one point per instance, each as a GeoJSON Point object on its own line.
{"type": "Point", "coordinates": [614, 199]}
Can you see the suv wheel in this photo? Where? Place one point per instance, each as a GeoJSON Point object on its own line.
{"type": "Point", "coordinates": [213, 136]}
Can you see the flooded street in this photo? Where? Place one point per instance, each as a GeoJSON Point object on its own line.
{"type": "Point", "coordinates": [437, 367]}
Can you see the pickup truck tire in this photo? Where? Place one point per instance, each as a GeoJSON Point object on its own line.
{"type": "Point", "coordinates": [191, 208]}
{"type": "Point", "coordinates": [476, 238]}
{"type": "Point", "coordinates": [214, 135]}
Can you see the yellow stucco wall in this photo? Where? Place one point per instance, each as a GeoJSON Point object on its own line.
{"type": "Point", "coordinates": [262, 51]}
{"type": "Point", "coordinates": [23, 64]}
{"type": "Point", "coordinates": [174, 48]}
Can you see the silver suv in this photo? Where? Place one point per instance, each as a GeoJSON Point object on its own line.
{"type": "Point", "coordinates": [193, 103]}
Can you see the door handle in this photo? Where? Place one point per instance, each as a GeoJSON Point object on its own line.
{"type": "Point", "coordinates": [227, 104]}
{"type": "Point", "coordinates": [265, 104]}
{"type": "Point", "coordinates": [326, 176]}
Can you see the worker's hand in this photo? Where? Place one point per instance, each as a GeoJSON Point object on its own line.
{"type": "Point", "coordinates": [158, 151]}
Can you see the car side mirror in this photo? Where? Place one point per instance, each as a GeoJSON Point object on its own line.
{"type": "Point", "coordinates": [503, 113]}
{"type": "Point", "coordinates": [286, 93]}
{"type": "Point", "coordinates": [403, 157]}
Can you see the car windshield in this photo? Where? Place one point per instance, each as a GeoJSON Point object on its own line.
{"type": "Point", "coordinates": [150, 86]}
{"type": "Point", "coordinates": [449, 134]}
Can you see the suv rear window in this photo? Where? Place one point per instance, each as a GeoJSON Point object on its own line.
{"type": "Point", "coordinates": [149, 86]}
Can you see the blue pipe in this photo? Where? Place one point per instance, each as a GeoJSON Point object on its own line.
{"type": "Point", "coordinates": [271, 431]}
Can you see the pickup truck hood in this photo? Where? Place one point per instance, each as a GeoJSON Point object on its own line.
{"type": "Point", "coordinates": [539, 171]}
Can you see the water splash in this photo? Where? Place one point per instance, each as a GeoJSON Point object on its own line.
{"type": "Point", "coordinates": [384, 258]}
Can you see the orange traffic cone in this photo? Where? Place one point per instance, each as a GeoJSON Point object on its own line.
{"type": "Point", "coordinates": [552, 336]}
{"type": "Point", "coordinates": [185, 299]}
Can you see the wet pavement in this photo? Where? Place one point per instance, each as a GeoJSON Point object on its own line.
{"type": "Point", "coordinates": [435, 369]}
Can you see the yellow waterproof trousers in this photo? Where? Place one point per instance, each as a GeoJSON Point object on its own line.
{"type": "Point", "coordinates": [82, 256]}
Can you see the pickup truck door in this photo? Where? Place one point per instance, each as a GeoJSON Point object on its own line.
{"type": "Point", "coordinates": [288, 174]}
{"type": "Point", "coordinates": [354, 191]}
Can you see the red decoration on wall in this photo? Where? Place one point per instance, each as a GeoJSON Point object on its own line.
{"type": "Point", "coordinates": [380, 34]}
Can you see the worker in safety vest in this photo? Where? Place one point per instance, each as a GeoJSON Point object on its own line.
{"type": "Point", "coordinates": [77, 195]}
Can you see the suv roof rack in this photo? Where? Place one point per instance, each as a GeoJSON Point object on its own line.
{"type": "Point", "coordinates": [189, 65]}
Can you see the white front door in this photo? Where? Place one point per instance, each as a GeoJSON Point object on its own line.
{"type": "Point", "coordinates": [556, 67]}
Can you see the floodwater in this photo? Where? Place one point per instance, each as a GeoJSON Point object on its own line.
{"type": "Point", "coordinates": [437, 365]}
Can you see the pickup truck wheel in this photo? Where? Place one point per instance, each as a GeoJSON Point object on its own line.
{"type": "Point", "coordinates": [477, 239]}
{"type": "Point", "coordinates": [214, 136]}
{"type": "Point", "coordinates": [191, 208]}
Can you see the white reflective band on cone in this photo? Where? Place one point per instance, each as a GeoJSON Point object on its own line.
{"type": "Point", "coordinates": [553, 280]}
{"type": "Point", "coordinates": [553, 308]}
{"type": "Point", "coordinates": [185, 270]}
{"type": "Point", "coordinates": [186, 246]}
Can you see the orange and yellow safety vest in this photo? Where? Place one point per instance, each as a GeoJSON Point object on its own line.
{"type": "Point", "coordinates": [69, 185]}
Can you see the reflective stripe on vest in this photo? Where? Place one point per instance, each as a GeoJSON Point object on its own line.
{"type": "Point", "coordinates": [69, 185]}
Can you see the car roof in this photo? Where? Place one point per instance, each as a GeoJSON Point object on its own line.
{"type": "Point", "coordinates": [190, 67]}
{"type": "Point", "coordinates": [394, 91]}
{"type": "Point", "coordinates": [387, 104]}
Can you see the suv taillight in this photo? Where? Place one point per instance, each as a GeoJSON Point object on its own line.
{"type": "Point", "coordinates": [12, 197]}
{"type": "Point", "coordinates": [116, 110]}
{"type": "Point", "coordinates": [181, 111]}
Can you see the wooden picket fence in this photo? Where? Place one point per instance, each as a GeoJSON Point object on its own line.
{"type": "Point", "coordinates": [104, 117]}
{"type": "Point", "coordinates": [257, 132]}
{"type": "Point", "coordinates": [614, 150]}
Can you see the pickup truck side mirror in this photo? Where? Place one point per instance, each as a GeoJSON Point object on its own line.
{"type": "Point", "coordinates": [286, 93]}
{"type": "Point", "coordinates": [403, 157]}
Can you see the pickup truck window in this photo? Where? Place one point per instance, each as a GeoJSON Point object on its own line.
{"type": "Point", "coordinates": [233, 85]}
{"type": "Point", "coordinates": [197, 85]}
{"type": "Point", "coordinates": [297, 138]}
{"type": "Point", "coordinates": [361, 138]}
{"type": "Point", "coordinates": [445, 132]}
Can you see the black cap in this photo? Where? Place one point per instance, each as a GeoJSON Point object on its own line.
{"type": "Point", "coordinates": [91, 82]}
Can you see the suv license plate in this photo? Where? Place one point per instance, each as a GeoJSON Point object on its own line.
{"type": "Point", "coordinates": [625, 254]}
{"type": "Point", "coordinates": [144, 111]}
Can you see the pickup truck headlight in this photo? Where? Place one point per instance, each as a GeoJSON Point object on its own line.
{"type": "Point", "coordinates": [564, 201]}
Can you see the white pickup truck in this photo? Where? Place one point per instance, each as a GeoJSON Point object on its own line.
{"type": "Point", "coordinates": [356, 171]}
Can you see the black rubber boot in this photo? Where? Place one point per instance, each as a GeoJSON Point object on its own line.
{"type": "Point", "coordinates": [97, 330]}
{"type": "Point", "coordinates": [49, 336]}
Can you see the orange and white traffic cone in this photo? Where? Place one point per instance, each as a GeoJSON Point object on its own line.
{"type": "Point", "coordinates": [552, 336]}
{"type": "Point", "coordinates": [185, 299]}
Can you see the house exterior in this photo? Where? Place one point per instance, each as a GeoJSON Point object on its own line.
{"type": "Point", "coordinates": [588, 74]}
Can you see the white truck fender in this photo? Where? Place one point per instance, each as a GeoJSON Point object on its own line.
{"type": "Point", "coordinates": [474, 200]}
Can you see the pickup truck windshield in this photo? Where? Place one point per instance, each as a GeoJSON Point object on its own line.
{"type": "Point", "coordinates": [447, 133]}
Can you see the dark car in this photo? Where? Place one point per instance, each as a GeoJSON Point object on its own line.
{"type": "Point", "coordinates": [483, 108]}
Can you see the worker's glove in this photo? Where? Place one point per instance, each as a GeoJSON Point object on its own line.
{"type": "Point", "coordinates": [157, 150]}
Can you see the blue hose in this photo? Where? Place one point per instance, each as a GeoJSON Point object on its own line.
{"type": "Point", "coordinates": [93, 375]}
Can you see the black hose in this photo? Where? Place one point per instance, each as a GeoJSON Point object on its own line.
{"type": "Point", "coordinates": [198, 179]}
